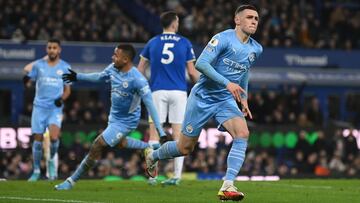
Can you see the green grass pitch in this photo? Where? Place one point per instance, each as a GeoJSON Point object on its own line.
{"type": "Point", "coordinates": [315, 190]}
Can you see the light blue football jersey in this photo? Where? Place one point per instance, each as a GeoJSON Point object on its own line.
{"type": "Point", "coordinates": [230, 58]}
{"type": "Point", "coordinates": [168, 54]}
{"type": "Point", "coordinates": [127, 88]}
{"type": "Point", "coordinates": [49, 83]}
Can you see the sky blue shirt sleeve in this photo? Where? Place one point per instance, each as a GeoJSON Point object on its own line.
{"type": "Point", "coordinates": [244, 84]}
{"type": "Point", "coordinates": [34, 71]}
{"type": "Point", "coordinates": [145, 94]}
{"type": "Point", "coordinates": [95, 77]}
{"type": "Point", "coordinates": [208, 55]}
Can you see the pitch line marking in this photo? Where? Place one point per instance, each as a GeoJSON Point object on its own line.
{"type": "Point", "coordinates": [302, 186]}
{"type": "Point", "coordinates": [46, 200]}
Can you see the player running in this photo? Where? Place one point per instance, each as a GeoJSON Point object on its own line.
{"type": "Point", "coordinates": [128, 87]}
{"type": "Point", "coordinates": [225, 64]}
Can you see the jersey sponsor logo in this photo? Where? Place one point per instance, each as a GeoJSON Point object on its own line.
{"type": "Point", "coordinates": [59, 72]}
{"type": "Point", "coordinates": [189, 128]}
{"type": "Point", "coordinates": [214, 42]}
{"type": "Point", "coordinates": [252, 57]}
{"type": "Point", "coordinates": [119, 93]}
{"type": "Point", "coordinates": [234, 66]}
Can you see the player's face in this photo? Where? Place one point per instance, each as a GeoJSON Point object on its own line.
{"type": "Point", "coordinates": [248, 21]}
{"type": "Point", "coordinates": [53, 50]}
{"type": "Point", "coordinates": [119, 58]}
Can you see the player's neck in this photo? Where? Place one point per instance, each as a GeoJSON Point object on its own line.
{"type": "Point", "coordinates": [53, 62]}
{"type": "Point", "coordinates": [243, 37]}
{"type": "Point", "coordinates": [125, 68]}
{"type": "Point", "coordinates": [169, 31]}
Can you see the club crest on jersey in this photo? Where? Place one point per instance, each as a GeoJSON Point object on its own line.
{"type": "Point", "coordinates": [59, 72]}
{"type": "Point", "coordinates": [125, 84]}
{"type": "Point", "coordinates": [119, 135]}
{"type": "Point", "coordinates": [214, 42]}
{"type": "Point", "coordinates": [252, 57]}
{"type": "Point", "coordinates": [189, 128]}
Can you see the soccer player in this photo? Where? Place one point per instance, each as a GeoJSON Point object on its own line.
{"type": "Point", "coordinates": [48, 103]}
{"type": "Point", "coordinates": [225, 64]}
{"type": "Point", "coordinates": [169, 55]}
{"type": "Point", "coordinates": [128, 87]}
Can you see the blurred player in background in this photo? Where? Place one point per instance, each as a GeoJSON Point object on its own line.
{"type": "Point", "coordinates": [48, 103]}
{"type": "Point", "coordinates": [224, 63]}
{"type": "Point", "coordinates": [128, 87]}
{"type": "Point", "coordinates": [169, 56]}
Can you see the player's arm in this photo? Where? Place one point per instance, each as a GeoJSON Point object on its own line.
{"type": "Point", "coordinates": [193, 73]}
{"type": "Point", "coordinates": [143, 65]}
{"type": "Point", "coordinates": [145, 94]}
{"type": "Point", "coordinates": [67, 91]}
{"type": "Point", "coordinates": [73, 76]}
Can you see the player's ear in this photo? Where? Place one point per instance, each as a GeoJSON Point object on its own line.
{"type": "Point", "coordinates": [237, 19]}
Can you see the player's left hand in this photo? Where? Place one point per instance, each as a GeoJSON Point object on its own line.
{"type": "Point", "coordinates": [70, 77]}
{"type": "Point", "coordinates": [58, 102]}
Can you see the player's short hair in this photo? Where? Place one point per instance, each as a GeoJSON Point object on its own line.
{"type": "Point", "coordinates": [128, 49]}
{"type": "Point", "coordinates": [246, 6]}
{"type": "Point", "coordinates": [167, 18]}
{"type": "Point", "coordinates": [54, 40]}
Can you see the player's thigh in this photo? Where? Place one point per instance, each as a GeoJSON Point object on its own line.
{"type": "Point", "coordinates": [54, 132]}
{"type": "Point", "coordinates": [177, 106]}
{"type": "Point", "coordinates": [231, 119]}
{"type": "Point", "coordinates": [39, 118]}
{"type": "Point", "coordinates": [55, 117]}
{"type": "Point", "coordinates": [237, 127]}
{"type": "Point", "coordinates": [161, 104]}
{"type": "Point", "coordinates": [114, 133]}
{"type": "Point", "coordinates": [176, 131]}
{"type": "Point", "coordinates": [197, 113]}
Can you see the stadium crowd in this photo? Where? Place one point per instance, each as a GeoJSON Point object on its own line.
{"type": "Point", "coordinates": [283, 23]}
{"type": "Point", "coordinates": [336, 157]}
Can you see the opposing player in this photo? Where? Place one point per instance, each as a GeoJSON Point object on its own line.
{"type": "Point", "coordinates": [169, 56]}
{"type": "Point", "coordinates": [128, 87]}
{"type": "Point", "coordinates": [48, 103]}
{"type": "Point", "coordinates": [224, 63]}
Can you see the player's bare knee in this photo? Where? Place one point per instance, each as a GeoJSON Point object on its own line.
{"type": "Point", "coordinates": [244, 133]}
{"type": "Point", "coordinates": [38, 137]}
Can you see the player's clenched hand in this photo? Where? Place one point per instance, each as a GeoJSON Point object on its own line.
{"type": "Point", "coordinates": [235, 90]}
{"type": "Point", "coordinates": [69, 77]}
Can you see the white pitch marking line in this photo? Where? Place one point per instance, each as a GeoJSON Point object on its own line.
{"type": "Point", "coordinates": [46, 200]}
{"type": "Point", "coordinates": [301, 186]}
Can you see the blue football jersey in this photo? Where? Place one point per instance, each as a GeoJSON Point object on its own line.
{"type": "Point", "coordinates": [168, 54]}
{"type": "Point", "coordinates": [127, 88]}
{"type": "Point", "coordinates": [230, 58]}
{"type": "Point", "coordinates": [49, 83]}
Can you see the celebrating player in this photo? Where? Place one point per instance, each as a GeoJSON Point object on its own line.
{"type": "Point", "coordinates": [224, 63]}
{"type": "Point", "coordinates": [48, 103]}
{"type": "Point", "coordinates": [128, 87]}
{"type": "Point", "coordinates": [168, 54]}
